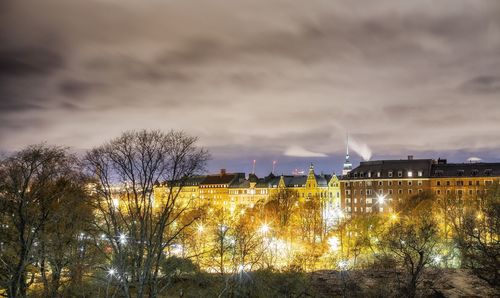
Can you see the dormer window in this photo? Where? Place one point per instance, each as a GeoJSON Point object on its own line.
{"type": "Point", "coordinates": [474, 172]}
{"type": "Point", "coordinates": [460, 173]}
{"type": "Point", "coordinates": [410, 174]}
{"type": "Point", "coordinates": [400, 173]}
{"type": "Point", "coordinates": [488, 172]}
{"type": "Point", "coordinates": [438, 172]}
{"type": "Point", "coordinates": [389, 174]}
{"type": "Point", "coordinates": [378, 174]}
{"type": "Point", "coordinates": [419, 173]}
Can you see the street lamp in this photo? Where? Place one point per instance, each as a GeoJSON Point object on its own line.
{"type": "Point", "coordinates": [111, 271]}
{"type": "Point", "coordinates": [343, 265]}
{"type": "Point", "coordinates": [264, 228]}
{"type": "Point", "coordinates": [334, 243]}
{"type": "Point", "coordinates": [381, 199]}
{"type": "Point", "coordinates": [122, 239]}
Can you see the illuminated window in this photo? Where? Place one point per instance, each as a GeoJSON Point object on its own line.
{"type": "Point", "coordinates": [410, 174]}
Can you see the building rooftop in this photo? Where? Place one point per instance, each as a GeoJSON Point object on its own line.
{"type": "Point", "coordinates": [222, 179]}
{"type": "Point", "coordinates": [479, 169]}
{"type": "Point", "coordinates": [384, 169]}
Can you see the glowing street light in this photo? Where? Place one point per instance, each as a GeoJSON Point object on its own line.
{"type": "Point", "coordinates": [264, 228]}
{"type": "Point", "coordinates": [381, 199]}
{"type": "Point", "coordinates": [343, 265]}
{"type": "Point", "coordinates": [241, 268]}
{"type": "Point", "coordinates": [122, 238]}
{"type": "Point", "coordinates": [394, 217]}
{"type": "Point", "coordinates": [334, 243]}
{"type": "Point", "coordinates": [111, 271]}
{"type": "Point", "coordinates": [223, 228]}
{"type": "Point", "coordinates": [200, 228]}
{"type": "Point", "coordinates": [116, 203]}
{"type": "Point", "coordinates": [437, 259]}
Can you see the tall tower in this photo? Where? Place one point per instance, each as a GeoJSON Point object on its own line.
{"type": "Point", "coordinates": [347, 164]}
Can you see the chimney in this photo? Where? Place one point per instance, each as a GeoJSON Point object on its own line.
{"type": "Point", "coordinates": [441, 161]}
{"type": "Point", "coordinates": [222, 172]}
{"type": "Point", "coordinates": [410, 157]}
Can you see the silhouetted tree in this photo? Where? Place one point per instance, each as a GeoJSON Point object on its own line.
{"type": "Point", "coordinates": [36, 183]}
{"type": "Point", "coordinates": [478, 237]}
{"type": "Point", "coordinates": [137, 227]}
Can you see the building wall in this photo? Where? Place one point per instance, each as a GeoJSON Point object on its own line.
{"type": "Point", "coordinates": [361, 196]}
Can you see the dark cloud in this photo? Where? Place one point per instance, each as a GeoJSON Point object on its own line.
{"type": "Point", "coordinates": [9, 106]}
{"type": "Point", "coordinates": [77, 88]}
{"type": "Point", "coordinates": [254, 77]}
{"type": "Point", "coordinates": [28, 61]}
{"type": "Point", "coordinates": [483, 84]}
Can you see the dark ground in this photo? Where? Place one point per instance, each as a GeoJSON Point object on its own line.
{"type": "Point", "coordinates": [359, 283]}
{"type": "Point", "coordinates": [370, 283]}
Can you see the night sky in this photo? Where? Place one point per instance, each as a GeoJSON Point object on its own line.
{"type": "Point", "coordinates": [258, 79]}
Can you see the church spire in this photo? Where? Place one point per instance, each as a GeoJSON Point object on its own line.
{"type": "Point", "coordinates": [347, 164]}
{"type": "Point", "coordinates": [347, 147]}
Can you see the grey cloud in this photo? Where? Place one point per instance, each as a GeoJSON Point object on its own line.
{"type": "Point", "coordinates": [257, 74]}
{"type": "Point", "coordinates": [482, 84]}
{"type": "Point", "coordinates": [78, 88]}
{"type": "Point", "coordinates": [9, 106]}
{"type": "Point", "coordinates": [28, 61]}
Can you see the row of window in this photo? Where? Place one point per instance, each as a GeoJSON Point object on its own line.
{"type": "Point", "coordinates": [390, 173]}
{"type": "Point", "coordinates": [473, 173]}
{"type": "Point", "coordinates": [462, 183]}
{"type": "Point", "coordinates": [381, 183]}
{"type": "Point", "coordinates": [247, 191]}
{"type": "Point", "coordinates": [461, 192]}
{"type": "Point", "coordinates": [370, 192]}
{"type": "Point", "coordinates": [213, 186]}
{"type": "Point", "coordinates": [365, 209]}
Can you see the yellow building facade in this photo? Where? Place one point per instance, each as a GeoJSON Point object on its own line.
{"type": "Point", "coordinates": [233, 191]}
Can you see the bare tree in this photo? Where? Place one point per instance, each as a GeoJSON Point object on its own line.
{"type": "Point", "coordinates": [135, 226]}
{"type": "Point", "coordinates": [282, 205]}
{"type": "Point", "coordinates": [412, 243]}
{"type": "Point", "coordinates": [63, 244]}
{"type": "Point", "coordinates": [478, 237]}
{"type": "Point", "coordinates": [32, 182]}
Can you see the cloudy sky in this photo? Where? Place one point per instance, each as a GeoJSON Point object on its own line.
{"type": "Point", "coordinates": [259, 79]}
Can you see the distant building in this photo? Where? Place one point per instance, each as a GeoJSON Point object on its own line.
{"type": "Point", "coordinates": [375, 186]}
{"type": "Point", "coordinates": [233, 191]}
